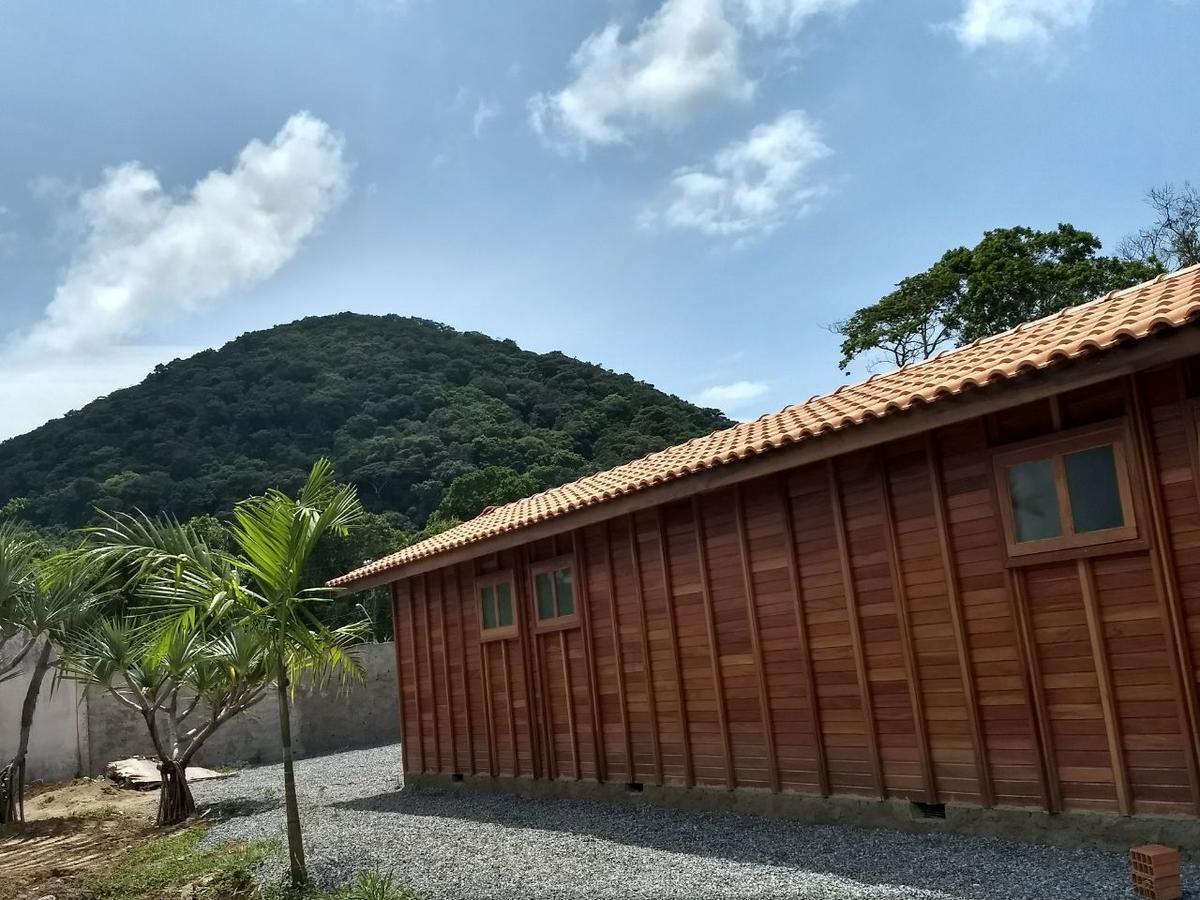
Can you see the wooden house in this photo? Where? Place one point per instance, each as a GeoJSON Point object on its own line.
{"type": "Point", "coordinates": [973, 581]}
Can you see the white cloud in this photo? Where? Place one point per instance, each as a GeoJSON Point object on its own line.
{"type": "Point", "coordinates": [484, 113]}
{"type": "Point", "coordinates": [1021, 24]}
{"type": "Point", "coordinates": [732, 396]}
{"type": "Point", "coordinates": [751, 187]}
{"type": "Point", "coordinates": [681, 62]}
{"type": "Point", "coordinates": [145, 254]}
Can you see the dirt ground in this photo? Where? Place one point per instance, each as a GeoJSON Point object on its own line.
{"type": "Point", "coordinates": [70, 830]}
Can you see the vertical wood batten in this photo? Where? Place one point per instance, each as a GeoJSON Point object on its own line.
{"type": "Point", "coordinates": [903, 619]}
{"type": "Point", "coordinates": [412, 629]}
{"type": "Point", "coordinates": [1165, 571]}
{"type": "Point", "coordinates": [579, 554]}
{"type": "Point", "coordinates": [437, 737]}
{"type": "Point", "coordinates": [647, 666]}
{"type": "Point", "coordinates": [805, 647]}
{"type": "Point", "coordinates": [1027, 650]}
{"type": "Point", "coordinates": [764, 697]}
{"type": "Point", "coordinates": [856, 639]}
{"type": "Point", "coordinates": [689, 775]}
{"type": "Point", "coordinates": [512, 718]}
{"type": "Point", "coordinates": [395, 596]}
{"type": "Point", "coordinates": [566, 664]}
{"type": "Point", "coordinates": [958, 623]}
{"type": "Point", "coordinates": [446, 671]}
{"type": "Point", "coordinates": [464, 657]}
{"type": "Point", "coordinates": [531, 668]}
{"type": "Point", "coordinates": [489, 712]}
{"type": "Point", "coordinates": [1108, 705]}
{"type": "Point", "coordinates": [713, 650]}
{"type": "Point", "coordinates": [617, 653]}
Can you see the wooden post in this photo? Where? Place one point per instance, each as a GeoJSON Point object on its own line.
{"type": "Point", "coordinates": [412, 627]}
{"type": "Point", "coordinates": [463, 608]}
{"type": "Point", "coordinates": [713, 649]}
{"type": "Point", "coordinates": [810, 679]}
{"type": "Point", "coordinates": [566, 661]}
{"type": "Point", "coordinates": [485, 652]}
{"type": "Point", "coordinates": [689, 775]}
{"type": "Point", "coordinates": [764, 695]}
{"type": "Point", "coordinates": [393, 590]}
{"type": "Point", "coordinates": [589, 651]}
{"type": "Point", "coordinates": [437, 737]}
{"type": "Point", "coordinates": [860, 659]}
{"type": "Point", "coordinates": [512, 718]}
{"type": "Point", "coordinates": [531, 668]}
{"type": "Point", "coordinates": [983, 773]}
{"type": "Point", "coordinates": [908, 650]}
{"type": "Point", "coordinates": [1163, 566]}
{"type": "Point", "coordinates": [647, 666]}
{"type": "Point", "coordinates": [1027, 650]}
{"type": "Point", "coordinates": [1108, 703]}
{"type": "Point", "coordinates": [630, 775]}
{"type": "Point", "coordinates": [446, 671]}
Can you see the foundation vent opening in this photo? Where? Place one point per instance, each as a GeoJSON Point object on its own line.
{"type": "Point", "coordinates": [928, 810]}
{"type": "Point", "coordinates": [457, 776]}
{"type": "Point", "coordinates": [634, 787]}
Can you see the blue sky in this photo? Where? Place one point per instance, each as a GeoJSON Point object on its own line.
{"type": "Point", "coordinates": [688, 190]}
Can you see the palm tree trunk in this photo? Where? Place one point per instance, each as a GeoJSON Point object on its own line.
{"type": "Point", "coordinates": [12, 776]}
{"type": "Point", "coordinates": [175, 801]}
{"type": "Point", "coordinates": [299, 871]}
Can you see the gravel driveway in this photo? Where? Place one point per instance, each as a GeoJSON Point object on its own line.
{"type": "Point", "coordinates": [451, 845]}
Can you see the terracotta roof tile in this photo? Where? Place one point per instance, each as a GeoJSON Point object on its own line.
{"type": "Point", "coordinates": [1168, 301]}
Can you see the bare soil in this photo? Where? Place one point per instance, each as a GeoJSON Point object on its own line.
{"type": "Point", "coordinates": [71, 830]}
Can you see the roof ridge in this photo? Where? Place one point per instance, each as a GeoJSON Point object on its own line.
{"type": "Point", "coordinates": [1043, 343]}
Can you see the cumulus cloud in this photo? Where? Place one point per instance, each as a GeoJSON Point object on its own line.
{"type": "Point", "coordinates": [679, 63]}
{"type": "Point", "coordinates": [1019, 24]}
{"type": "Point", "coordinates": [145, 253]}
{"type": "Point", "coordinates": [734, 396]}
{"type": "Point", "coordinates": [750, 187]}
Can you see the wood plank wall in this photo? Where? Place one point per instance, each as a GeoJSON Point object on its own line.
{"type": "Point", "coordinates": [849, 627]}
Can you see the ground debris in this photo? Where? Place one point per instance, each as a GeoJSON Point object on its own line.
{"type": "Point", "coordinates": [141, 774]}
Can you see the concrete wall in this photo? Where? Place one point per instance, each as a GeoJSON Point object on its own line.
{"type": "Point", "coordinates": [77, 732]}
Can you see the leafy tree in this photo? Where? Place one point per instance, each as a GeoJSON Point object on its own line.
{"type": "Point", "coordinates": [1012, 275]}
{"type": "Point", "coordinates": [1174, 238]}
{"type": "Point", "coordinates": [469, 494]}
{"type": "Point", "coordinates": [41, 600]}
{"type": "Point", "coordinates": [184, 691]}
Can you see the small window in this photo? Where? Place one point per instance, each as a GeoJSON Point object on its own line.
{"type": "Point", "coordinates": [496, 615]}
{"type": "Point", "coordinates": [554, 592]}
{"type": "Point", "coordinates": [1069, 492]}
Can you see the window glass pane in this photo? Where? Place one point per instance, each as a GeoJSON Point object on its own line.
{"type": "Point", "coordinates": [566, 592]}
{"type": "Point", "coordinates": [1092, 485]}
{"type": "Point", "coordinates": [504, 609]}
{"type": "Point", "coordinates": [487, 602]}
{"type": "Point", "coordinates": [1034, 500]}
{"type": "Point", "coordinates": [545, 595]}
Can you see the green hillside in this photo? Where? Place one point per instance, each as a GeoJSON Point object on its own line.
{"type": "Point", "coordinates": [403, 407]}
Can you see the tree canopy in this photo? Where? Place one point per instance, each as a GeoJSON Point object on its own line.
{"type": "Point", "coordinates": [402, 407]}
{"type": "Point", "coordinates": [1012, 275]}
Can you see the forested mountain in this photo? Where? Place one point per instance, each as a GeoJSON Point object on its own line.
{"type": "Point", "coordinates": [402, 406]}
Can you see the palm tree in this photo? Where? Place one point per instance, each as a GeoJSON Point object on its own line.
{"type": "Point", "coordinates": [48, 598]}
{"type": "Point", "coordinates": [17, 555]}
{"type": "Point", "coordinates": [275, 535]}
{"type": "Point", "coordinates": [183, 693]}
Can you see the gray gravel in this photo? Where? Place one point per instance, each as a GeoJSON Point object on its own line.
{"type": "Point", "coordinates": [451, 845]}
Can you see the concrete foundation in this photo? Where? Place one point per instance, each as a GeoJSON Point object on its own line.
{"type": "Point", "coordinates": [1068, 829]}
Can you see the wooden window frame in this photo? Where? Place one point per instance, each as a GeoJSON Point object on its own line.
{"type": "Point", "coordinates": [549, 567]}
{"type": "Point", "coordinates": [1055, 447]}
{"type": "Point", "coordinates": [500, 632]}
